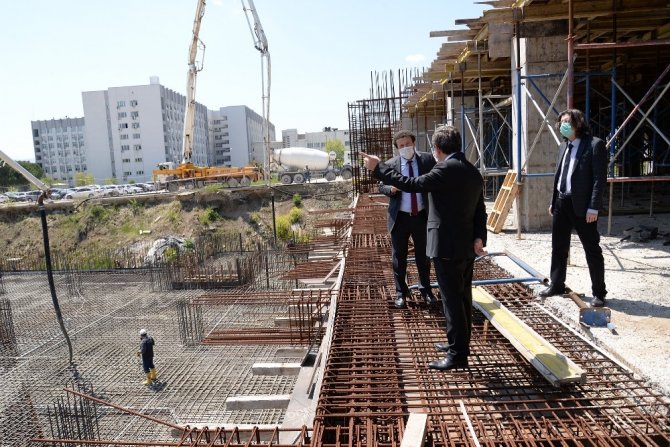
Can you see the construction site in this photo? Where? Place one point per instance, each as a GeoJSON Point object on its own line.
{"type": "Point", "coordinates": [260, 342]}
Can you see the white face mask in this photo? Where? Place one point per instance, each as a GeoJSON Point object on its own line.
{"type": "Point", "coordinates": [406, 152]}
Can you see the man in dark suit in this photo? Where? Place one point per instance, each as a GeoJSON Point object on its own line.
{"type": "Point", "coordinates": [579, 183]}
{"type": "Point", "coordinates": [407, 216]}
{"type": "Point", "coordinates": [456, 233]}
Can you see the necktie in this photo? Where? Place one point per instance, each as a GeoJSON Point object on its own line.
{"type": "Point", "coordinates": [565, 169]}
{"type": "Point", "coordinates": [415, 205]}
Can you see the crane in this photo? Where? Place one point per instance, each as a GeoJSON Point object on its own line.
{"type": "Point", "coordinates": [261, 44]}
{"type": "Point", "coordinates": [193, 69]}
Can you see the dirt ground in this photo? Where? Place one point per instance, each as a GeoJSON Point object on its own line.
{"type": "Point", "coordinates": [637, 275]}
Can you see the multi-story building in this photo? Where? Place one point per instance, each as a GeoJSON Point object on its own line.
{"type": "Point", "coordinates": [60, 148]}
{"type": "Point", "coordinates": [129, 130]}
{"type": "Point", "coordinates": [315, 140]}
{"type": "Point", "coordinates": [236, 136]}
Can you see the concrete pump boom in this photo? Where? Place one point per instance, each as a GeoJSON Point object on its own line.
{"type": "Point", "coordinates": [261, 44]}
{"type": "Point", "coordinates": [193, 69]}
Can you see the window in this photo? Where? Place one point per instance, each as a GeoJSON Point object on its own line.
{"type": "Point", "coordinates": [133, 103]}
{"type": "Point", "coordinates": [123, 126]}
{"type": "Point", "coordinates": [226, 158]}
{"type": "Point", "coordinates": [125, 147]}
{"type": "Point", "coordinates": [126, 160]}
{"type": "Point", "coordinates": [138, 160]}
{"type": "Point", "coordinates": [136, 125]}
{"type": "Point", "coordinates": [124, 136]}
{"type": "Point", "coordinates": [126, 173]}
{"type": "Point", "coordinates": [36, 133]}
{"type": "Point", "coordinates": [139, 172]}
{"type": "Point", "coordinates": [122, 115]}
{"type": "Point", "coordinates": [137, 147]}
{"type": "Point", "coordinates": [134, 115]}
{"type": "Point", "coordinates": [136, 136]}
{"type": "Point", "coordinates": [120, 104]}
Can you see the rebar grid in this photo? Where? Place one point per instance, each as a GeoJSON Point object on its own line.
{"type": "Point", "coordinates": [302, 308]}
{"type": "Point", "coordinates": [377, 374]}
{"type": "Point", "coordinates": [103, 320]}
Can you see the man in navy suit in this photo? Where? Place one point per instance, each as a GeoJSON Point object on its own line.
{"type": "Point", "coordinates": [579, 183]}
{"type": "Point", "coordinates": [407, 216]}
{"type": "Point", "coordinates": [456, 233]}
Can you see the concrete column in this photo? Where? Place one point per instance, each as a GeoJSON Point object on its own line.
{"type": "Point", "coordinates": [539, 55]}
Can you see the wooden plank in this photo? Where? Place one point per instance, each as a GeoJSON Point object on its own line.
{"type": "Point", "coordinates": [549, 361]}
{"type": "Point", "coordinates": [415, 430]}
{"type": "Point", "coordinates": [503, 203]}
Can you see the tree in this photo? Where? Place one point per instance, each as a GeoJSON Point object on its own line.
{"type": "Point", "coordinates": [336, 146]}
{"type": "Point", "coordinates": [83, 179]}
{"type": "Point", "coordinates": [9, 177]}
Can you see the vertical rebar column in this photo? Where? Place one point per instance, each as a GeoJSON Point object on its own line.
{"type": "Point", "coordinates": [7, 334]}
{"type": "Point", "coordinates": [74, 417]}
{"type": "Point", "coordinates": [189, 317]}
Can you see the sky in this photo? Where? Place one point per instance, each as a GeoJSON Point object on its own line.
{"type": "Point", "coordinates": [322, 54]}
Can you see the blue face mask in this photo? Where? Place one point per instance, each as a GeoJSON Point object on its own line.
{"type": "Point", "coordinates": [566, 130]}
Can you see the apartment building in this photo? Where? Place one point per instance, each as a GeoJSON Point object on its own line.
{"type": "Point", "coordinates": [129, 130]}
{"type": "Point", "coordinates": [60, 147]}
{"type": "Point", "coordinates": [236, 135]}
{"type": "Point", "coordinates": [315, 140]}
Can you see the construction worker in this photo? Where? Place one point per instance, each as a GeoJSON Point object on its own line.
{"type": "Point", "coordinates": [147, 353]}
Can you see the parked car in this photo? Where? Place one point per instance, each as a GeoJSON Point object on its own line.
{"type": "Point", "coordinates": [3, 198]}
{"type": "Point", "coordinates": [83, 192]}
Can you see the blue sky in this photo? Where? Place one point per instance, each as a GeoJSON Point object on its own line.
{"type": "Point", "coordinates": [322, 54]}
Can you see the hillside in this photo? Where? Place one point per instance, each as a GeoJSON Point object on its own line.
{"type": "Point", "coordinates": [124, 224]}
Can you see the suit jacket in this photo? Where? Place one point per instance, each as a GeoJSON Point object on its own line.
{"type": "Point", "coordinates": [589, 175]}
{"type": "Point", "coordinates": [457, 215]}
{"type": "Point", "coordinates": [426, 163]}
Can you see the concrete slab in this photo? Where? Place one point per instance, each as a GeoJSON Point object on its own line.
{"type": "Point", "coordinates": [275, 369]}
{"type": "Point", "coordinates": [275, 401]}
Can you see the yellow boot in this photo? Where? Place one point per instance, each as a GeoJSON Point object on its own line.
{"type": "Point", "coordinates": [152, 373]}
{"type": "Point", "coordinates": [149, 380]}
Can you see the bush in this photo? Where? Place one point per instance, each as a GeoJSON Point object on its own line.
{"type": "Point", "coordinates": [295, 215]}
{"type": "Point", "coordinates": [98, 213]}
{"type": "Point", "coordinates": [174, 213]}
{"type": "Point", "coordinates": [297, 200]}
{"type": "Point", "coordinates": [283, 224]}
{"type": "Point", "coordinates": [208, 216]}
{"type": "Point", "coordinates": [135, 206]}
{"type": "Point", "coordinates": [255, 218]}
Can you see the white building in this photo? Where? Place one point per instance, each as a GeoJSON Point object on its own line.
{"type": "Point", "coordinates": [315, 140]}
{"type": "Point", "coordinates": [129, 130]}
{"type": "Point", "coordinates": [236, 136]}
{"type": "Point", "coordinates": [60, 148]}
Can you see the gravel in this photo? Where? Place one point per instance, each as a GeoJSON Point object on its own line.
{"type": "Point", "coordinates": [637, 275]}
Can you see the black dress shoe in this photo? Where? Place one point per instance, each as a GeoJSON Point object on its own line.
{"type": "Point", "coordinates": [429, 299]}
{"type": "Point", "coordinates": [442, 347]}
{"type": "Point", "coordinates": [400, 302]}
{"type": "Point", "coordinates": [598, 301]}
{"type": "Point", "coordinates": [448, 363]}
{"type": "Point", "coordinates": [552, 290]}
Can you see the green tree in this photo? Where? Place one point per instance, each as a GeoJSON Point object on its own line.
{"type": "Point", "coordinates": [83, 179]}
{"type": "Point", "coordinates": [9, 177]}
{"type": "Point", "coordinates": [336, 146]}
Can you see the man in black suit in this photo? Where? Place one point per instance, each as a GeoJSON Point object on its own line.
{"type": "Point", "coordinates": [407, 216]}
{"type": "Point", "coordinates": [579, 183]}
{"type": "Point", "coordinates": [456, 233]}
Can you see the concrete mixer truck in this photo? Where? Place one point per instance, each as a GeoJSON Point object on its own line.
{"type": "Point", "coordinates": [298, 164]}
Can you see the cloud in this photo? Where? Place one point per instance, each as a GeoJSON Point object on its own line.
{"type": "Point", "coordinates": [415, 58]}
{"type": "Point", "coordinates": [218, 2]}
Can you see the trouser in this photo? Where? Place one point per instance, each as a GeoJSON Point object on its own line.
{"type": "Point", "coordinates": [147, 364]}
{"type": "Point", "coordinates": [563, 222]}
{"type": "Point", "coordinates": [404, 227]}
{"type": "Point", "coordinates": [455, 280]}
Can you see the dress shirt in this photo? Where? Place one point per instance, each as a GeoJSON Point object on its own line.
{"type": "Point", "coordinates": [406, 199]}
